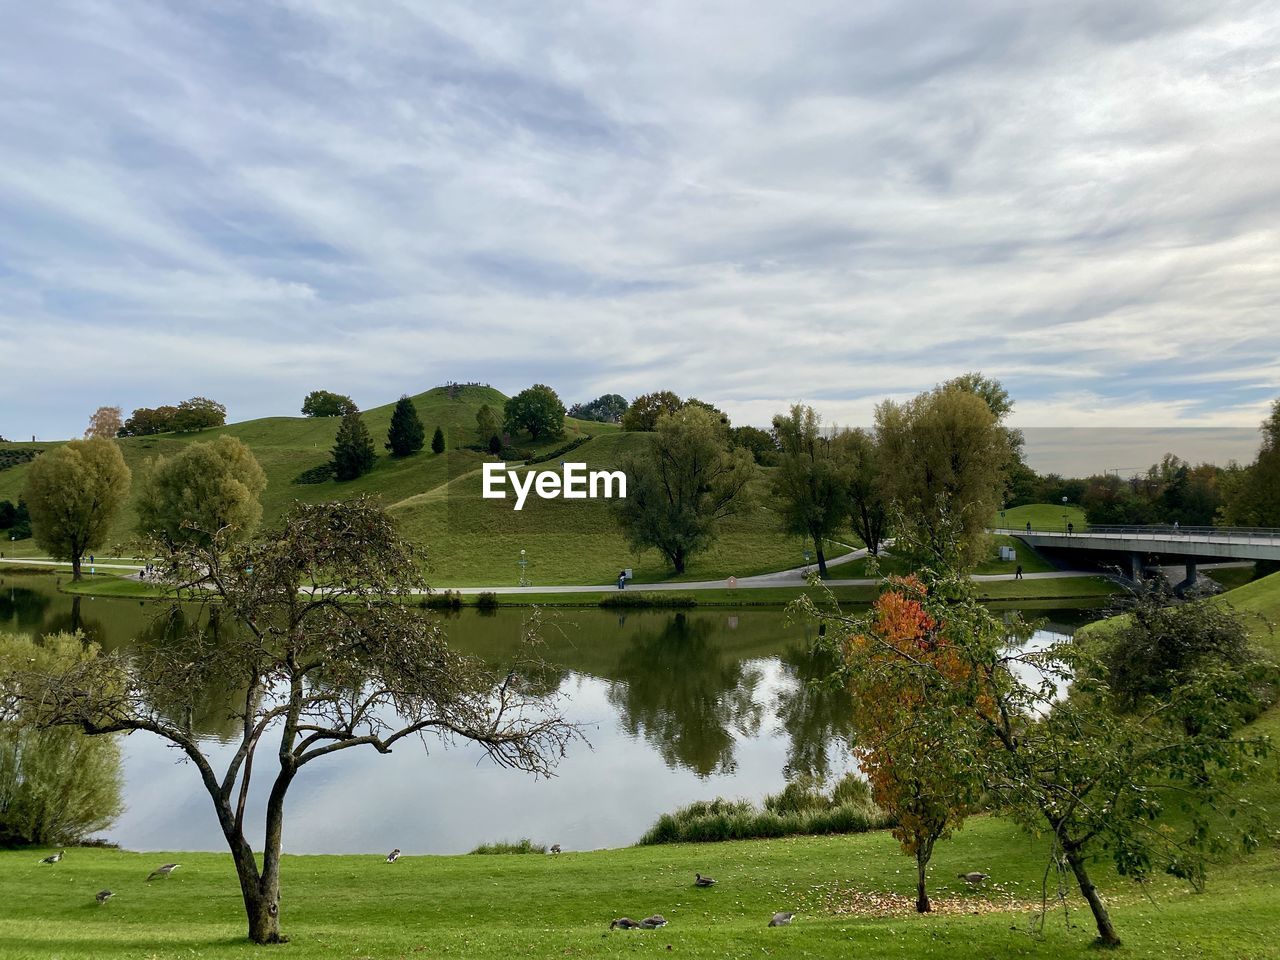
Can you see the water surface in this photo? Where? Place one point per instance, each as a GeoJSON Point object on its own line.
{"type": "Point", "coordinates": [677, 706]}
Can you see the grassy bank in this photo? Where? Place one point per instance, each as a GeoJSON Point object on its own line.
{"type": "Point", "coordinates": [845, 890]}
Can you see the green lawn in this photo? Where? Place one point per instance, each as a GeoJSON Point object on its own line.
{"type": "Point", "coordinates": [545, 906]}
{"type": "Point", "coordinates": [1043, 516]}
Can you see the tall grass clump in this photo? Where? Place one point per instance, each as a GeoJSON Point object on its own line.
{"type": "Point", "coordinates": [523, 845]}
{"type": "Point", "coordinates": [804, 808]}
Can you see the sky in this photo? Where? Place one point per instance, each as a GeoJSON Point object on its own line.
{"type": "Point", "coordinates": [753, 203]}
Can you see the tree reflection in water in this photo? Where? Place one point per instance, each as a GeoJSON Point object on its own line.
{"type": "Point", "coordinates": [676, 687]}
{"type": "Point", "coordinates": [813, 713]}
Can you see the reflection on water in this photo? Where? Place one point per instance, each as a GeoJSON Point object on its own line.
{"type": "Point", "coordinates": [677, 707]}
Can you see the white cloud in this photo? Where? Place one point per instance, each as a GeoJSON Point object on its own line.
{"type": "Point", "coordinates": [754, 203]}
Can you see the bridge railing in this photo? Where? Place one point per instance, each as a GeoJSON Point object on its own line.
{"type": "Point", "coordinates": [1160, 532]}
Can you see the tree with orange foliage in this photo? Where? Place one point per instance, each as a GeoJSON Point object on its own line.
{"type": "Point", "coordinates": [914, 750]}
{"type": "Point", "coordinates": [105, 424]}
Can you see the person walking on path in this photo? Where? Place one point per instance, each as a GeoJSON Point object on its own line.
{"type": "Point", "coordinates": [622, 579]}
{"type": "Point", "coordinates": [1017, 574]}
{"type": "Point", "coordinates": [1071, 528]}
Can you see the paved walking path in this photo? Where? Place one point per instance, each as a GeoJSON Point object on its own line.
{"type": "Point", "coordinates": [794, 577]}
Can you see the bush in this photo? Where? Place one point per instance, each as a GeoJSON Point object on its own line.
{"type": "Point", "coordinates": [524, 845]}
{"type": "Point", "coordinates": [446, 600]}
{"type": "Point", "coordinates": [11, 457]}
{"type": "Point", "coordinates": [802, 809]}
{"type": "Point", "coordinates": [561, 451]}
{"type": "Point", "coordinates": [655, 601]}
{"type": "Point", "coordinates": [487, 601]}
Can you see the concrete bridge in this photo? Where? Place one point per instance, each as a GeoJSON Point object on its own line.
{"type": "Point", "coordinates": [1134, 548]}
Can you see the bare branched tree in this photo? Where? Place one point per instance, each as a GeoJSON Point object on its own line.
{"type": "Point", "coordinates": [311, 625]}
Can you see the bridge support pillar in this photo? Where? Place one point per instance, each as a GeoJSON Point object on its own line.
{"type": "Point", "coordinates": [1137, 563]}
{"type": "Point", "coordinates": [1190, 580]}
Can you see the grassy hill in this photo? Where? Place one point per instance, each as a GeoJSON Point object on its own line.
{"type": "Point", "coordinates": [470, 541]}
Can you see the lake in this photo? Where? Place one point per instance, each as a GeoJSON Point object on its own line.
{"type": "Point", "coordinates": [677, 706]}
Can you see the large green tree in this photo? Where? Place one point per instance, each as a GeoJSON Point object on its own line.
{"type": "Point", "coordinates": [353, 453]}
{"type": "Point", "coordinates": [944, 458]}
{"type": "Point", "coordinates": [1253, 496]}
{"type": "Point", "coordinates": [214, 486]}
{"type": "Point", "coordinates": [868, 509]}
{"type": "Point", "coordinates": [324, 403]}
{"type": "Point", "coordinates": [74, 493]}
{"type": "Point", "coordinates": [322, 671]}
{"type": "Point", "coordinates": [199, 413]}
{"type": "Point", "coordinates": [810, 483]}
{"type": "Point", "coordinates": [608, 408]}
{"type": "Point", "coordinates": [645, 410]}
{"type": "Point", "coordinates": [406, 434]}
{"type": "Point", "coordinates": [537, 411]}
{"type": "Point", "coordinates": [687, 480]}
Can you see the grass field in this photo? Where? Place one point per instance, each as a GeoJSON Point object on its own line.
{"type": "Point", "coordinates": [848, 893]}
{"type": "Point", "coordinates": [1043, 516]}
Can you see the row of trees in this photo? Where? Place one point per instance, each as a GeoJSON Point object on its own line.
{"type": "Point", "coordinates": [1139, 763]}
{"type": "Point", "coordinates": [198, 413]}
{"type": "Point", "coordinates": [945, 453]}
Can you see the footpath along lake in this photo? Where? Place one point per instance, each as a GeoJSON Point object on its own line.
{"type": "Point", "coordinates": [677, 706]}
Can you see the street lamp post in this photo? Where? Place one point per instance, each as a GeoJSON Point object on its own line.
{"type": "Point", "coordinates": [524, 581]}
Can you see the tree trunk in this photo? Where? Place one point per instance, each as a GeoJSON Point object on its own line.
{"type": "Point", "coordinates": [822, 558]}
{"type": "Point", "coordinates": [922, 895]}
{"type": "Point", "coordinates": [263, 909]}
{"type": "Point", "coordinates": [75, 566]}
{"type": "Point", "coordinates": [677, 560]}
{"type": "Point", "coordinates": [1107, 936]}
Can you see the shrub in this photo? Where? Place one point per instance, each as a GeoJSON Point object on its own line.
{"type": "Point", "coordinates": [487, 601]}
{"type": "Point", "coordinates": [561, 451]}
{"type": "Point", "coordinates": [445, 600]}
{"type": "Point", "coordinates": [11, 457]}
{"type": "Point", "coordinates": [657, 601]}
{"type": "Point", "coordinates": [523, 845]}
{"type": "Point", "coordinates": [802, 809]}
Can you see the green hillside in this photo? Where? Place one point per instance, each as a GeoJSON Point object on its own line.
{"type": "Point", "coordinates": [469, 540]}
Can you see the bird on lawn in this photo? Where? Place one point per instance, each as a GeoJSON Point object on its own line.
{"type": "Point", "coordinates": [54, 857]}
{"type": "Point", "coordinates": [394, 855]}
{"type": "Point", "coordinates": [700, 881]}
{"type": "Point", "coordinates": [654, 922]}
{"type": "Point", "coordinates": [103, 896]}
{"type": "Point", "coordinates": [624, 923]}
{"type": "Point", "coordinates": [974, 876]}
{"type": "Point", "coordinates": [555, 848]}
{"type": "Point", "coordinates": [781, 919]}
{"type": "Point", "coordinates": [163, 870]}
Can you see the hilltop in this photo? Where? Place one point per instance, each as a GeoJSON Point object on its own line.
{"type": "Point", "coordinates": [468, 540]}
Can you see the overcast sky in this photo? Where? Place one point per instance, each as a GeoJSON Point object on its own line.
{"type": "Point", "coordinates": [756, 203]}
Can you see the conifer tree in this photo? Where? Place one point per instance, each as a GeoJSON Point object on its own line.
{"type": "Point", "coordinates": [353, 453]}
{"type": "Point", "coordinates": [437, 441]}
{"type": "Point", "coordinates": [407, 435]}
